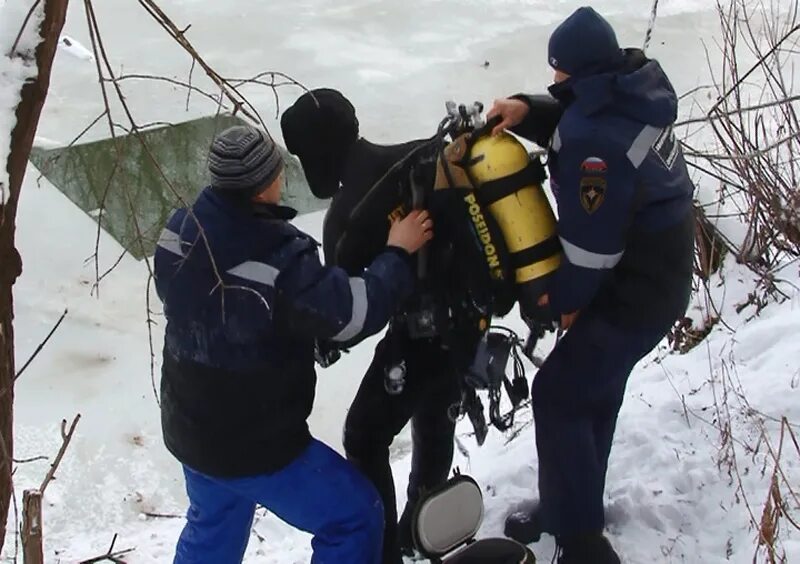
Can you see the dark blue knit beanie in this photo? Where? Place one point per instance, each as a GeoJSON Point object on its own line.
{"type": "Point", "coordinates": [585, 43]}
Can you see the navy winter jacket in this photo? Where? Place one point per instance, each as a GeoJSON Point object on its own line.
{"type": "Point", "coordinates": [626, 221]}
{"type": "Point", "coordinates": [245, 296]}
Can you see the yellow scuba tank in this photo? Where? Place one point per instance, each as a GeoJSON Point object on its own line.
{"type": "Point", "coordinates": [509, 184]}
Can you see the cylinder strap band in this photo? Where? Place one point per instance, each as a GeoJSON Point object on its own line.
{"type": "Point", "coordinates": [493, 191]}
{"type": "Point", "coordinates": [538, 252]}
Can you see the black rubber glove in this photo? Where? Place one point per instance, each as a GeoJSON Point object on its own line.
{"type": "Point", "coordinates": [326, 353]}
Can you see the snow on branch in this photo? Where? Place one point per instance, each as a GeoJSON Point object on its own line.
{"type": "Point", "coordinates": [20, 21]}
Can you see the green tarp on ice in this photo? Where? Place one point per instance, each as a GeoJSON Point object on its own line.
{"type": "Point", "coordinates": [138, 197]}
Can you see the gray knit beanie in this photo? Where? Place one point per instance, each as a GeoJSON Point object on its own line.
{"type": "Point", "coordinates": [243, 159]}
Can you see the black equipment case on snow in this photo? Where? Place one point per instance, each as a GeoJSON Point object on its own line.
{"type": "Point", "coordinates": [448, 518]}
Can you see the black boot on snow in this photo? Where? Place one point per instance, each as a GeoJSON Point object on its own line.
{"type": "Point", "coordinates": [589, 549]}
{"type": "Point", "coordinates": [525, 525]}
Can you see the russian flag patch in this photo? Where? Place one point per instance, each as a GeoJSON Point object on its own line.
{"type": "Point", "coordinates": [594, 165]}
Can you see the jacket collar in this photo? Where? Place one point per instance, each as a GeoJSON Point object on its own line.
{"type": "Point", "coordinates": [274, 211]}
{"type": "Point", "coordinates": [239, 205]}
{"type": "Point", "coordinates": [594, 92]}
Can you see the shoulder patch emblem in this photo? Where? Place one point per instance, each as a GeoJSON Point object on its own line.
{"type": "Point", "coordinates": [593, 193]}
{"type": "Point", "coordinates": [594, 165]}
{"type": "Point", "coordinates": [667, 147]}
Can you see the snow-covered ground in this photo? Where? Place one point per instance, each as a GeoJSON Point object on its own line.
{"type": "Point", "coordinates": [668, 499]}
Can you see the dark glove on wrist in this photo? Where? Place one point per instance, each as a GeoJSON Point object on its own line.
{"type": "Point", "coordinates": [542, 119]}
{"type": "Point", "coordinates": [541, 321]}
{"type": "Point", "coordinates": [326, 353]}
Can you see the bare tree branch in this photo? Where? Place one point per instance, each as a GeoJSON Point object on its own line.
{"type": "Point", "coordinates": [41, 345]}
{"type": "Point", "coordinates": [163, 515]}
{"type": "Point", "coordinates": [110, 555]}
{"type": "Point", "coordinates": [14, 45]}
{"type": "Point", "coordinates": [744, 156]}
{"type": "Point", "coordinates": [150, 323]}
{"type": "Point", "coordinates": [85, 130]}
{"type": "Point", "coordinates": [722, 115]}
{"type": "Point", "coordinates": [756, 66]}
{"type": "Point", "coordinates": [174, 81]}
{"type": "Point", "coordinates": [66, 437]}
{"type": "Point", "coordinates": [189, 91]}
{"type": "Point", "coordinates": [29, 460]}
{"type": "Point", "coordinates": [96, 285]}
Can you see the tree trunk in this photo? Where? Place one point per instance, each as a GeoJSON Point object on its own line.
{"type": "Point", "coordinates": [32, 100]}
{"type": "Point", "coordinates": [32, 551]}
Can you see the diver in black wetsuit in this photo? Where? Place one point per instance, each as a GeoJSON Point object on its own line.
{"type": "Point", "coordinates": [412, 376]}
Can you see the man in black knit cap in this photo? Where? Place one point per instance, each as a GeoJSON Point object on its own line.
{"type": "Point", "coordinates": [245, 297]}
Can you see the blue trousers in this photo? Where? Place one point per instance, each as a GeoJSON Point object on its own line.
{"type": "Point", "coordinates": [319, 493]}
{"type": "Point", "coordinates": [576, 396]}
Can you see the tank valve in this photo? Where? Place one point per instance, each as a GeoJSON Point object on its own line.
{"type": "Point", "coordinates": [395, 379]}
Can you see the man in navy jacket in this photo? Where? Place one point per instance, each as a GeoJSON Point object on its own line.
{"type": "Point", "coordinates": [626, 228]}
{"type": "Point", "coordinates": [245, 297]}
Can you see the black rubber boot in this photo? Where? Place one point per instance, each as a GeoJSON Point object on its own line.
{"type": "Point", "coordinates": [404, 536]}
{"type": "Point", "coordinates": [525, 526]}
{"type": "Point", "coordinates": [589, 549]}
